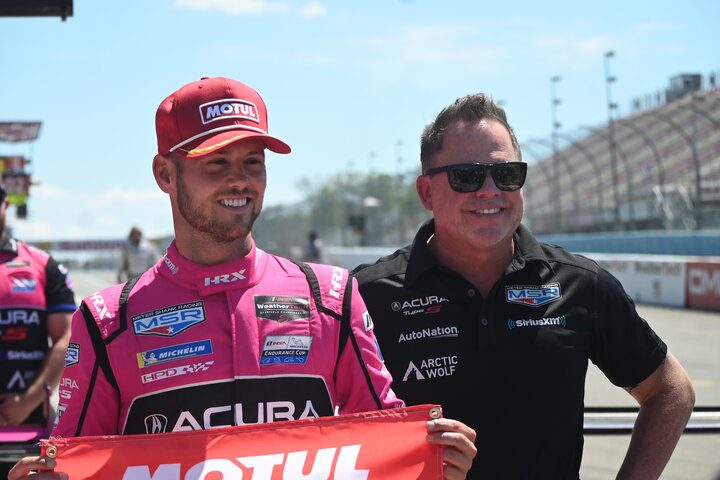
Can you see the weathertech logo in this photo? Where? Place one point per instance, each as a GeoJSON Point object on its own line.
{"type": "Point", "coordinates": [539, 322]}
{"type": "Point", "coordinates": [228, 108]}
{"type": "Point", "coordinates": [431, 368]}
{"type": "Point", "coordinates": [533, 295]}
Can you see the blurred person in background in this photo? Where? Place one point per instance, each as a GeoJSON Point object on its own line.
{"type": "Point", "coordinates": [137, 256]}
{"type": "Point", "coordinates": [479, 316]}
{"type": "Point", "coordinates": [222, 302]}
{"type": "Point", "coordinates": [313, 249]}
{"type": "Point", "coordinates": [36, 305]}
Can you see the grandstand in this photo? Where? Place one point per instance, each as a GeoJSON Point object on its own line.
{"type": "Point", "coordinates": [667, 165]}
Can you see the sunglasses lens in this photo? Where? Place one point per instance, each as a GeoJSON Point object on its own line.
{"type": "Point", "coordinates": [467, 178]}
{"type": "Point", "coordinates": [509, 176]}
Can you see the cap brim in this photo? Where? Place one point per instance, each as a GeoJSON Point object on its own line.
{"type": "Point", "coordinates": [217, 142]}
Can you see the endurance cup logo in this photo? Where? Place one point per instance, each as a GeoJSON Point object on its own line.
{"type": "Point", "coordinates": [538, 322]}
{"type": "Point", "coordinates": [533, 295]}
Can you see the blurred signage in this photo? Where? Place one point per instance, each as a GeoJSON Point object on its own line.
{"type": "Point", "coordinates": [650, 281]}
{"type": "Point", "coordinates": [703, 286]}
{"type": "Point", "coordinates": [13, 163]}
{"type": "Point", "coordinates": [88, 245]}
{"type": "Point", "coordinates": [19, 131]}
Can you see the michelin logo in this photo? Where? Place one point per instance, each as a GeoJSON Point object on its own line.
{"type": "Point", "coordinates": [174, 352]}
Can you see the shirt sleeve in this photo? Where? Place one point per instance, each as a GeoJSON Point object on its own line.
{"type": "Point", "coordinates": [363, 382]}
{"type": "Point", "coordinates": [89, 403]}
{"type": "Point", "coordinates": [58, 288]}
{"type": "Point", "coordinates": [624, 346]}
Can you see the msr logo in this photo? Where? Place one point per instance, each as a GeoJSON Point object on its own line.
{"type": "Point", "coordinates": [533, 295]}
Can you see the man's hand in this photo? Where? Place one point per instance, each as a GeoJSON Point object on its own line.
{"type": "Point", "coordinates": [25, 468]}
{"type": "Point", "coordinates": [459, 442]}
{"type": "Point", "coordinates": [14, 408]}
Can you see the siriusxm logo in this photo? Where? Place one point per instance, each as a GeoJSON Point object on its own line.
{"type": "Point", "coordinates": [169, 321]}
{"type": "Point", "coordinates": [538, 322]}
{"type": "Point", "coordinates": [533, 295]}
{"type": "Point", "coordinates": [228, 108]}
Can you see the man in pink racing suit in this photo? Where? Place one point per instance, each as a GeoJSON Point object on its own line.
{"type": "Point", "coordinates": [219, 332]}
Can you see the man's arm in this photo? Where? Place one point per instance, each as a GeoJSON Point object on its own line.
{"type": "Point", "coordinates": [16, 408]}
{"type": "Point", "coordinates": [666, 401]}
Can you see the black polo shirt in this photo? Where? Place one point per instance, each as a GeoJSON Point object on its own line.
{"type": "Point", "coordinates": [512, 365]}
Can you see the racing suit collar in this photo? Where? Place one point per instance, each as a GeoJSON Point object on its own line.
{"type": "Point", "coordinates": [241, 273]}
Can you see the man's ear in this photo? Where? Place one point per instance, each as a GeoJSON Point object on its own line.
{"type": "Point", "coordinates": [422, 185]}
{"type": "Point", "coordinates": [165, 173]}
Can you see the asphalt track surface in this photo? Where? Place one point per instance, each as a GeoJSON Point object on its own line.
{"type": "Point", "coordinates": [692, 336]}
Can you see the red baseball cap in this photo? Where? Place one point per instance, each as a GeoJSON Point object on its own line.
{"type": "Point", "coordinates": [206, 115]}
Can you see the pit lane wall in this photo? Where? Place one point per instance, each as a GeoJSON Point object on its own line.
{"type": "Point", "coordinates": [674, 281]}
{"type": "Point", "coordinates": [668, 280]}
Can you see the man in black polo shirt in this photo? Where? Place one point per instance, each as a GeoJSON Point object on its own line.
{"type": "Point", "coordinates": [478, 316]}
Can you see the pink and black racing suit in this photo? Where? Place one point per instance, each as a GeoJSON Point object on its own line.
{"type": "Point", "coordinates": [187, 347]}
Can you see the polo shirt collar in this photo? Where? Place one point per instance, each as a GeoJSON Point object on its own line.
{"type": "Point", "coordinates": [422, 259]}
{"type": "Point", "coordinates": [527, 249]}
{"type": "Point", "coordinates": [8, 244]}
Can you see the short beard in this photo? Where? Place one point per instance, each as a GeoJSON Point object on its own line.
{"type": "Point", "coordinates": [220, 232]}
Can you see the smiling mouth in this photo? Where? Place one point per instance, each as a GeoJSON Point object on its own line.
{"type": "Point", "coordinates": [235, 202]}
{"type": "Point", "coordinates": [487, 211]}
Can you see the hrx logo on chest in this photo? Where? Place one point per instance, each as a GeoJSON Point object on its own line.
{"type": "Point", "coordinates": [225, 278]}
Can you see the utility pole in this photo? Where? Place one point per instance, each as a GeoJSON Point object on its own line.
{"type": "Point", "coordinates": [609, 80]}
{"type": "Point", "coordinates": [557, 202]}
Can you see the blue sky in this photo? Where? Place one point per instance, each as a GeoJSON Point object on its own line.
{"type": "Point", "coordinates": [349, 85]}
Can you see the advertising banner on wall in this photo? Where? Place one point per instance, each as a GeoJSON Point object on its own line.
{"type": "Point", "coordinates": [649, 279]}
{"type": "Point", "coordinates": [703, 285]}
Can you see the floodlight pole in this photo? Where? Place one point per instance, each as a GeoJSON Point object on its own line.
{"type": "Point", "coordinates": [609, 80]}
{"type": "Point", "coordinates": [554, 102]}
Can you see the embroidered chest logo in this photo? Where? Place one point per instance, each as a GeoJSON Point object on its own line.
{"type": "Point", "coordinates": [169, 321]}
{"type": "Point", "coordinates": [533, 295]}
{"type": "Point", "coordinates": [225, 278]}
{"type": "Point", "coordinates": [281, 308]}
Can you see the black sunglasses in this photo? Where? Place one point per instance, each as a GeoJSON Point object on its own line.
{"type": "Point", "coordinates": [469, 177]}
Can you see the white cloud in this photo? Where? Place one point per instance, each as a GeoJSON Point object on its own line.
{"type": "Point", "coordinates": [427, 53]}
{"type": "Point", "coordinates": [312, 10]}
{"type": "Point", "coordinates": [92, 215]}
{"type": "Point", "coordinates": [236, 7]}
{"type": "Point", "coordinates": [651, 27]}
{"type": "Point", "coordinates": [572, 53]}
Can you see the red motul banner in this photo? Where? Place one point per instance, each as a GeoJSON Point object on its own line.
{"type": "Point", "coordinates": [703, 285]}
{"type": "Point", "coordinates": [383, 445]}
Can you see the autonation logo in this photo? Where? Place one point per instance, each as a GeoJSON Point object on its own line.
{"type": "Point", "coordinates": [436, 332]}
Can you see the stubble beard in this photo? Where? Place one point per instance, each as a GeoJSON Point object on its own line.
{"type": "Point", "coordinates": [218, 231]}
